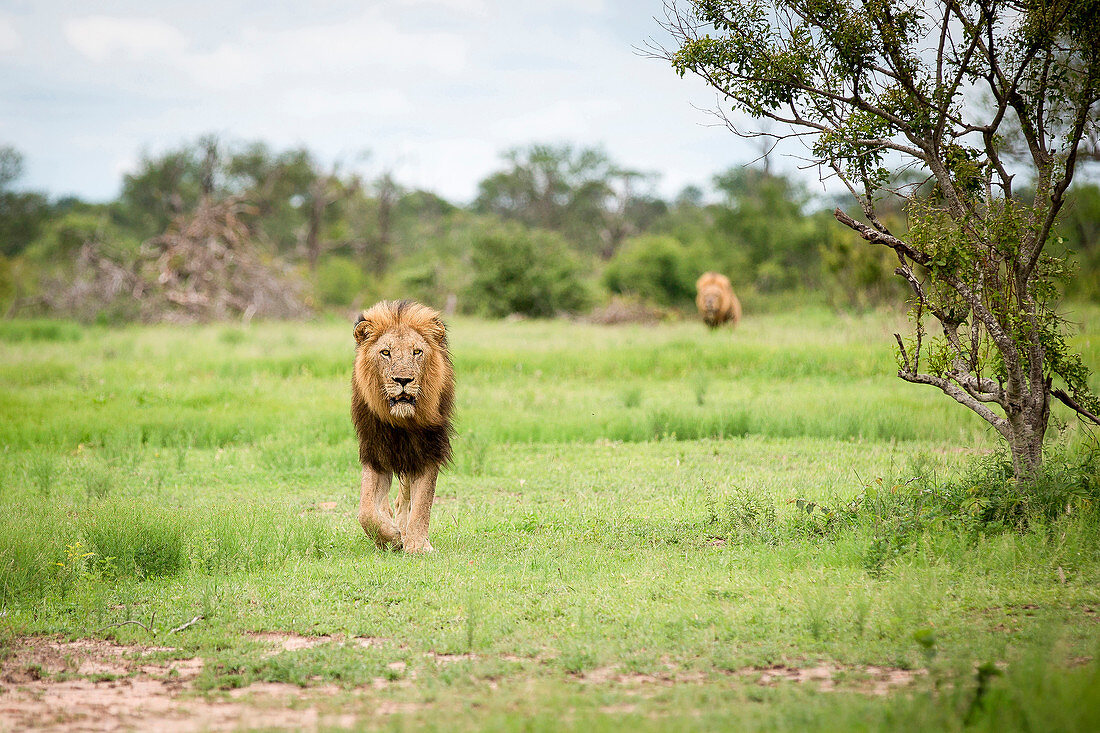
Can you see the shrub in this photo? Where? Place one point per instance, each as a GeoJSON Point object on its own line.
{"type": "Point", "coordinates": [527, 271]}
{"type": "Point", "coordinates": [891, 516]}
{"type": "Point", "coordinates": [657, 268]}
{"type": "Point", "coordinates": [337, 281]}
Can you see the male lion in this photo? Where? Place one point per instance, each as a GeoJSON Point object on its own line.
{"type": "Point", "coordinates": [716, 301]}
{"type": "Point", "coordinates": [401, 399]}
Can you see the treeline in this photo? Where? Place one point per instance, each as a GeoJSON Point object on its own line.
{"type": "Point", "coordinates": [215, 229]}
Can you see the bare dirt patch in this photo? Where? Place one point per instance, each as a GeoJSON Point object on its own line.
{"type": "Point", "coordinates": [288, 642]}
{"type": "Point", "coordinates": [827, 677]}
{"type": "Point", "coordinates": [857, 678]}
{"type": "Point", "coordinates": [49, 684]}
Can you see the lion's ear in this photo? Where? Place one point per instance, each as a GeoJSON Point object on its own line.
{"type": "Point", "coordinates": [362, 330]}
{"type": "Point", "coordinates": [436, 331]}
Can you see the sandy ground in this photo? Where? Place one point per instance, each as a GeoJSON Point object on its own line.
{"type": "Point", "coordinates": [50, 684]}
{"type": "Point", "coordinates": [90, 685]}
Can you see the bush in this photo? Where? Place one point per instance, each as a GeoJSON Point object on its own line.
{"type": "Point", "coordinates": [891, 516]}
{"type": "Point", "coordinates": [527, 271]}
{"type": "Point", "coordinates": [657, 268]}
{"type": "Point", "coordinates": [989, 496]}
{"type": "Point", "coordinates": [338, 281]}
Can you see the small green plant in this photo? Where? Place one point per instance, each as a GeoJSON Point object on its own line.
{"type": "Point", "coordinates": [818, 604]}
{"type": "Point", "coordinates": [181, 450]}
{"type": "Point", "coordinates": [140, 539]}
{"type": "Point", "coordinates": [632, 396]}
{"type": "Point", "coordinates": [42, 470]}
{"type": "Point", "coordinates": [202, 551]}
{"type": "Point", "coordinates": [742, 517]}
{"type": "Point", "coordinates": [926, 639]}
{"type": "Point", "coordinates": [73, 566]}
{"type": "Point", "coordinates": [984, 676]}
{"type": "Point", "coordinates": [98, 481]}
{"type": "Point", "coordinates": [475, 452]}
{"type": "Point", "coordinates": [473, 612]}
{"type": "Point", "coordinates": [701, 384]}
{"type": "Point", "coordinates": [232, 336]}
{"type": "Point", "coordinates": [861, 610]}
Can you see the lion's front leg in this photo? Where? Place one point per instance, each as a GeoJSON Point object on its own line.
{"type": "Point", "coordinates": [404, 499]}
{"type": "Point", "coordinates": [374, 509]}
{"type": "Point", "coordinates": [422, 494]}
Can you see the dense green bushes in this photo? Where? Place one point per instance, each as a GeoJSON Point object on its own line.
{"type": "Point", "coordinates": [530, 272]}
{"type": "Point", "coordinates": [338, 280]}
{"type": "Point", "coordinates": [655, 268]}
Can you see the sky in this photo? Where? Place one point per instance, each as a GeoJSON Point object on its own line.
{"type": "Point", "coordinates": [430, 90]}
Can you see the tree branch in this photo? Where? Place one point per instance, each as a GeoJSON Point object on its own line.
{"type": "Point", "coordinates": [1074, 405]}
{"type": "Point", "coordinates": [961, 396]}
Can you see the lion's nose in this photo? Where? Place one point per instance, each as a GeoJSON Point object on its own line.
{"type": "Point", "coordinates": [402, 380]}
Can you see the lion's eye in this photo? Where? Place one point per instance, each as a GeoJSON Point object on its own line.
{"type": "Point", "coordinates": [385, 352]}
{"type": "Point", "coordinates": [417, 352]}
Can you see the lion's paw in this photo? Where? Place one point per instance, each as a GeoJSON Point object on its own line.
{"type": "Point", "coordinates": [423, 549]}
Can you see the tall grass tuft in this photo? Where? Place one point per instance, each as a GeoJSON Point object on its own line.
{"type": "Point", "coordinates": [472, 453]}
{"type": "Point", "coordinates": [136, 538]}
{"type": "Point", "coordinates": [244, 538]}
{"type": "Point", "coordinates": [32, 551]}
{"type": "Point", "coordinates": [40, 330]}
{"type": "Point", "coordinates": [42, 470]}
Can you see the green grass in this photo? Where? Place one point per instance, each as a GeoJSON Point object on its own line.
{"type": "Point", "coordinates": [627, 506]}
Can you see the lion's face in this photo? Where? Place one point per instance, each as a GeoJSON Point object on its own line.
{"type": "Point", "coordinates": [402, 370]}
{"type": "Point", "coordinates": [399, 359]}
{"type": "Point", "coordinates": [711, 300]}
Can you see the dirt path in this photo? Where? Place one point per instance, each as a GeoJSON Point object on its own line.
{"type": "Point", "coordinates": [90, 685]}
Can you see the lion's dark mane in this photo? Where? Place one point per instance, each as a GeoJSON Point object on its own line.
{"type": "Point", "coordinates": [388, 448]}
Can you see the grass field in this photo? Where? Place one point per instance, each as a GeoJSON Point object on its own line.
{"type": "Point", "coordinates": [655, 526]}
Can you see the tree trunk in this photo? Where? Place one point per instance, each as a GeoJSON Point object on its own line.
{"type": "Point", "coordinates": [1026, 428]}
{"type": "Point", "coordinates": [317, 204]}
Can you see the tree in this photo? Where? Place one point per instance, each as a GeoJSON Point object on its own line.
{"type": "Point", "coordinates": [163, 188]}
{"type": "Point", "coordinates": [764, 213]}
{"type": "Point", "coordinates": [990, 100]}
{"type": "Point", "coordinates": [22, 213]}
{"type": "Point", "coordinates": [276, 185]}
{"type": "Point", "coordinates": [325, 192]}
{"type": "Point", "coordinates": [580, 193]}
{"type": "Point", "coordinates": [655, 267]}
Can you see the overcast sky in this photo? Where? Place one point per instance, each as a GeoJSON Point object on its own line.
{"type": "Point", "coordinates": [433, 90]}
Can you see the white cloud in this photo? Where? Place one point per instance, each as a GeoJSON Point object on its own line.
{"type": "Point", "coordinates": [435, 89]}
{"type": "Point", "coordinates": [100, 38]}
{"type": "Point", "coordinates": [562, 119]}
{"type": "Point", "coordinates": [358, 52]}
{"type": "Point", "coordinates": [448, 166]}
{"type": "Point", "coordinates": [467, 7]}
{"type": "Point", "coordinates": [10, 39]}
{"type": "Point", "coordinates": [318, 104]}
